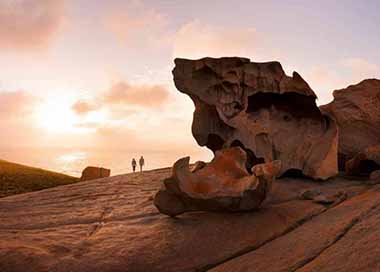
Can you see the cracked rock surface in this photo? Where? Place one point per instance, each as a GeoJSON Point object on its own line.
{"type": "Point", "coordinates": [111, 224]}
{"type": "Point", "coordinates": [258, 107]}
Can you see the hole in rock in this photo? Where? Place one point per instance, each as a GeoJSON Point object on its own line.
{"type": "Point", "coordinates": [366, 167]}
{"type": "Point", "coordinates": [251, 157]}
{"type": "Point", "coordinates": [214, 142]}
{"type": "Point", "coordinates": [299, 106]}
{"type": "Point", "coordinates": [294, 173]}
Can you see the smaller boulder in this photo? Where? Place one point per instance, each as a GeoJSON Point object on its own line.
{"type": "Point", "coordinates": [92, 172]}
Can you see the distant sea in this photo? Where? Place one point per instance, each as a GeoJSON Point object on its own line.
{"type": "Point", "coordinates": [72, 161]}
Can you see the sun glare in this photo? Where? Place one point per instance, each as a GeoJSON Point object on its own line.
{"type": "Point", "coordinates": [56, 116]}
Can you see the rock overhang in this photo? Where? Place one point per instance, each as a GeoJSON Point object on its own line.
{"type": "Point", "coordinates": [261, 108]}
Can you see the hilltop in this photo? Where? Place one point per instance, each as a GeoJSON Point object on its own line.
{"type": "Point", "coordinates": [111, 224]}
{"type": "Point", "coordinates": [17, 178]}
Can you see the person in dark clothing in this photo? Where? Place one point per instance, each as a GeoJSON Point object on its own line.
{"type": "Point", "coordinates": [141, 162]}
{"type": "Point", "coordinates": [134, 164]}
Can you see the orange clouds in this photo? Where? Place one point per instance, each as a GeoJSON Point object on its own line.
{"type": "Point", "coordinates": [15, 104]}
{"type": "Point", "coordinates": [121, 95]}
{"type": "Point", "coordinates": [138, 95]}
{"type": "Point", "coordinates": [26, 24]}
{"type": "Point", "coordinates": [82, 107]}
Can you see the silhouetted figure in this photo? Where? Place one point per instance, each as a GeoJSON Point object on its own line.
{"type": "Point", "coordinates": [134, 164]}
{"type": "Point", "coordinates": [141, 162]}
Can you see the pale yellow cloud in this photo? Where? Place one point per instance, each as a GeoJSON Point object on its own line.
{"type": "Point", "coordinates": [26, 24]}
{"type": "Point", "coordinates": [196, 40]}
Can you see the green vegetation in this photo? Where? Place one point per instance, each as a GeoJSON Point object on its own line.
{"type": "Point", "coordinates": [17, 178]}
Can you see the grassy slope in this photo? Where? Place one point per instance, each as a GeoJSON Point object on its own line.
{"type": "Point", "coordinates": [17, 178]}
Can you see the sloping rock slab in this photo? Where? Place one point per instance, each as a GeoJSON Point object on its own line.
{"type": "Point", "coordinates": [357, 250]}
{"type": "Point", "coordinates": [111, 225]}
{"type": "Point", "coordinates": [305, 244]}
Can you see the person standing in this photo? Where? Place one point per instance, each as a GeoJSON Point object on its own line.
{"type": "Point", "coordinates": [141, 162]}
{"type": "Point", "coordinates": [134, 164]}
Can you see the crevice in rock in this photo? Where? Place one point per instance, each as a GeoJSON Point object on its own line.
{"type": "Point", "coordinates": [366, 167]}
{"type": "Point", "coordinates": [251, 157]}
{"type": "Point", "coordinates": [342, 159]}
{"type": "Point", "coordinates": [214, 142]}
{"type": "Point", "coordinates": [98, 225]}
{"type": "Point", "coordinates": [297, 105]}
{"type": "Point", "coordinates": [294, 173]}
{"type": "Point", "coordinates": [365, 214]}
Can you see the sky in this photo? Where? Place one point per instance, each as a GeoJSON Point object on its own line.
{"type": "Point", "coordinates": [97, 74]}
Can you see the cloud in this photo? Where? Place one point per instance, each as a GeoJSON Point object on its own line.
{"type": "Point", "coordinates": [26, 24]}
{"type": "Point", "coordinates": [148, 96]}
{"type": "Point", "coordinates": [196, 39]}
{"type": "Point", "coordinates": [15, 104]}
{"type": "Point", "coordinates": [83, 107]}
{"type": "Point", "coordinates": [123, 104]}
{"type": "Point", "coordinates": [137, 26]}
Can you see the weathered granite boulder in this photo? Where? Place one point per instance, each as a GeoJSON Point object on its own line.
{"type": "Point", "coordinates": [258, 107]}
{"type": "Point", "coordinates": [356, 110]}
{"type": "Point", "coordinates": [363, 164]}
{"type": "Point", "coordinates": [224, 184]}
{"type": "Point", "coordinates": [92, 172]}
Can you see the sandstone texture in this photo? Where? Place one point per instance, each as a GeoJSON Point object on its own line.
{"type": "Point", "coordinates": [224, 184]}
{"type": "Point", "coordinates": [356, 111]}
{"type": "Point", "coordinates": [91, 172]}
{"type": "Point", "coordinates": [258, 107]}
{"type": "Point", "coordinates": [111, 224]}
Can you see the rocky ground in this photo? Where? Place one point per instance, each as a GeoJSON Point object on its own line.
{"type": "Point", "coordinates": [111, 224]}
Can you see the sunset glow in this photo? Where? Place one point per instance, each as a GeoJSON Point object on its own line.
{"type": "Point", "coordinates": [55, 116]}
{"type": "Point", "coordinates": [98, 73]}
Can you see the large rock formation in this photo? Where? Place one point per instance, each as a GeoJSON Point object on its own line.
{"type": "Point", "coordinates": [258, 107]}
{"type": "Point", "coordinates": [92, 172]}
{"type": "Point", "coordinates": [356, 110]}
{"type": "Point", "coordinates": [224, 184]}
